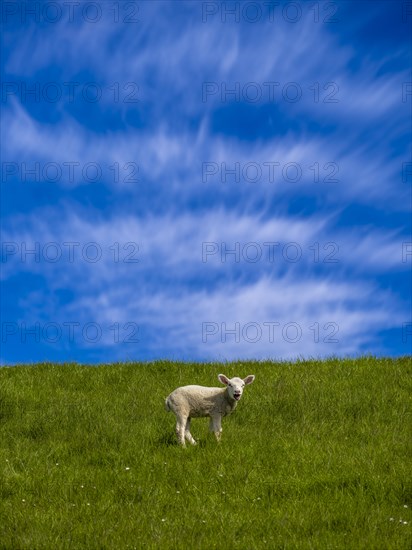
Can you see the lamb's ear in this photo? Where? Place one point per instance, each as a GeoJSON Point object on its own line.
{"type": "Point", "coordinates": [224, 379]}
{"type": "Point", "coordinates": [249, 379]}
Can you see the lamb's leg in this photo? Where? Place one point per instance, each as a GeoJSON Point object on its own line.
{"type": "Point", "coordinates": [216, 425]}
{"type": "Point", "coordinates": [180, 430]}
{"type": "Point", "coordinates": [188, 435]}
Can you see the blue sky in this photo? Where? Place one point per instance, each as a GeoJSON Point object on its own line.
{"type": "Point", "coordinates": [205, 180]}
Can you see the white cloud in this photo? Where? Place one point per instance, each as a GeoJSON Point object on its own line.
{"type": "Point", "coordinates": [178, 162]}
{"type": "Point", "coordinates": [171, 62]}
{"type": "Point", "coordinates": [171, 291]}
{"type": "Point", "coordinates": [287, 318]}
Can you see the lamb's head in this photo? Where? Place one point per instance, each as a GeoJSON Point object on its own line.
{"type": "Point", "coordinates": [235, 385]}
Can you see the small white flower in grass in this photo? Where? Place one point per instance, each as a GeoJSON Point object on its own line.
{"type": "Point", "coordinates": [163, 519]}
{"type": "Point", "coordinates": [178, 492]}
{"type": "Point", "coordinates": [405, 505]}
{"type": "Point", "coordinates": [127, 468]}
{"type": "Point", "coordinates": [57, 463]}
{"type": "Point", "coordinates": [82, 486]}
{"type": "Point", "coordinates": [405, 523]}
{"type": "Point", "coordinates": [88, 504]}
{"type": "Point", "coordinates": [23, 500]}
{"type": "Point", "coordinates": [391, 519]}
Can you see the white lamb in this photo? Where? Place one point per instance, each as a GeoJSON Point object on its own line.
{"type": "Point", "coordinates": [189, 402]}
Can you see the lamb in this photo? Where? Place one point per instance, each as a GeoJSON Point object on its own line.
{"type": "Point", "coordinates": [189, 402]}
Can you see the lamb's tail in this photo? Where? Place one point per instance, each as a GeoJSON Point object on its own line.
{"type": "Point", "coordinates": [167, 405]}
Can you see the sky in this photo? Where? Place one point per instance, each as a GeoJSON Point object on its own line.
{"type": "Point", "coordinates": [205, 181]}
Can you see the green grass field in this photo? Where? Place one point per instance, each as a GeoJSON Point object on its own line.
{"type": "Point", "coordinates": [317, 455]}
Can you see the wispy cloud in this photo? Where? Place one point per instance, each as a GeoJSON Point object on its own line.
{"type": "Point", "coordinates": [196, 177]}
{"type": "Point", "coordinates": [183, 277]}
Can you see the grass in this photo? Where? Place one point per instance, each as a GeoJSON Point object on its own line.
{"type": "Point", "coordinates": [317, 455]}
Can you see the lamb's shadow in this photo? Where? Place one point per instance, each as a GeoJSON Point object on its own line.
{"type": "Point", "coordinates": [169, 440]}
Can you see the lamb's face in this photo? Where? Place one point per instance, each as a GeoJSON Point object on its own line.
{"type": "Point", "coordinates": [235, 385]}
{"type": "Point", "coordinates": [235, 388]}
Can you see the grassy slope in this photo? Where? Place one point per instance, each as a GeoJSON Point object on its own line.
{"type": "Point", "coordinates": [315, 456]}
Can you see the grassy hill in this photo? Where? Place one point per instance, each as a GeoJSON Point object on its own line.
{"type": "Point", "coordinates": [317, 455]}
